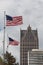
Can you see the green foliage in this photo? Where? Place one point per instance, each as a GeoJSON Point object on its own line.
{"type": "Point", "coordinates": [10, 60]}
{"type": "Point", "coordinates": [1, 59]}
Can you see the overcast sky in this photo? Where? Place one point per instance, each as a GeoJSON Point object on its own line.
{"type": "Point", "coordinates": [32, 13]}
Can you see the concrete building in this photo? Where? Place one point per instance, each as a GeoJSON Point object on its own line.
{"type": "Point", "coordinates": [28, 41]}
{"type": "Point", "coordinates": [35, 57]}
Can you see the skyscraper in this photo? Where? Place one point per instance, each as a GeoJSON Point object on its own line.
{"type": "Point", "coordinates": [28, 41]}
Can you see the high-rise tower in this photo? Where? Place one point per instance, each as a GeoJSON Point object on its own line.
{"type": "Point", "coordinates": [28, 41]}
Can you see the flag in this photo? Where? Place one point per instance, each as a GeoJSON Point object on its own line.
{"type": "Point", "coordinates": [13, 21]}
{"type": "Point", "coordinates": [13, 42]}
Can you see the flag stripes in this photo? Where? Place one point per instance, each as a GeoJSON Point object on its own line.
{"type": "Point", "coordinates": [13, 21]}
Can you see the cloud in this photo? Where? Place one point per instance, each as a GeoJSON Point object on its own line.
{"type": "Point", "coordinates": [32, 13]}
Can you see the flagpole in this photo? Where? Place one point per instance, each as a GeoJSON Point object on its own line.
{"type": "Point", "coordinates": [4, 38]}
{"type": "Point", "coordinates": [7, 44]}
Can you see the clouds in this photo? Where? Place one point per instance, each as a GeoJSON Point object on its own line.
{"type": "Point", "coordinates": [32, 13]}
{"type": "Point", "coordinates": [31, 10]}
{"type": "Point", "coordinates": [3, 5]}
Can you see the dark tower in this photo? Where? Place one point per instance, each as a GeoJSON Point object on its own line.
{"type": "Point", "coordinates": [28, 41]}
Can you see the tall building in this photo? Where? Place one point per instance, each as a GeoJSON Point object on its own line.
{"type": "Point", "coordinates": [35, 57]}
{"type": "Point", "coordinates": [28, 41]}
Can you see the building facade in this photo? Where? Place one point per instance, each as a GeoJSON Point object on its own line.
{"type": "Point", "coordinates": [35, 57]}
{"type": "Point", "coordinates": [28, 41]}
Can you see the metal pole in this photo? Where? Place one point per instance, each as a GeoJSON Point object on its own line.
{"type": "Point", "coordinates": [7, 43]}
{"type": "Point", "coordinates": [4, 38]}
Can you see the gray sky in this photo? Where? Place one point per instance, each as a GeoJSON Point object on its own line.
{"type": "Point", "coordinates": [32, 13]}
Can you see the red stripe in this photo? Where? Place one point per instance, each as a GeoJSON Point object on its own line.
{"type": "Point", "coordinates": [16, 21]}
{"type": "Point", "coordinates": [13, 42]}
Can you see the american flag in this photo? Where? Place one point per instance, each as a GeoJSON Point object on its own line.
{"type": "Point", "coordinates": [13, 42]}
{"type": "Point", "coordinates": [13, 21]}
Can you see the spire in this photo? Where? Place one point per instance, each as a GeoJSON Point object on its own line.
{"type": "Point", "coordinates": [29, 28]}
